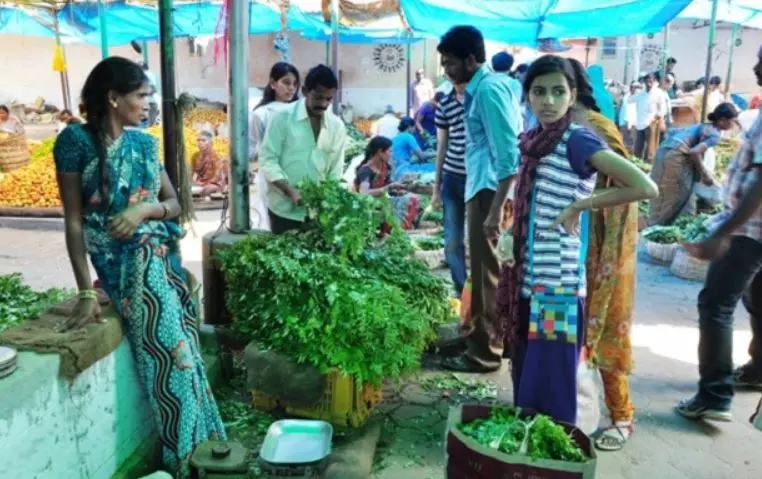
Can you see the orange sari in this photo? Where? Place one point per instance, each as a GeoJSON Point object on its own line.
{"type": "Point", "coordinates": [611, 267]}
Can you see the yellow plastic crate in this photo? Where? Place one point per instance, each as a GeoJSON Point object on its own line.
{"type": "Point", "coordinates": [343, 403]}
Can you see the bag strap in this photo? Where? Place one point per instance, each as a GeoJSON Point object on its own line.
{"type": "Point", "coordinates": [584, 236]}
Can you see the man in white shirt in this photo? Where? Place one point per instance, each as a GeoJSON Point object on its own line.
{"type": "Point", "coordinates": [650, 107]}
{"type": "Point", "coordinates": [153, 100]}
{"type": "Point", "coordinates": [387, 125]}
{"type": "Point", "coordinates": [628, 114]}
{"type": "Point", "coordinates": [421, 91]}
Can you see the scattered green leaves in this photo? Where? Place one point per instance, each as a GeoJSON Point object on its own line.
{"type": "Point", "coordinates": [537, 436]}
{"type": "Point", "coordinates": [19, 302]}
{"type": "Point", "coordinates": [452, 384]}
{"type": "Point", "coordinates": [664, 234]}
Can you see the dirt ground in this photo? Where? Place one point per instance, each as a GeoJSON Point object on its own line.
{"type": "Point", "coordinates": [665, 338]}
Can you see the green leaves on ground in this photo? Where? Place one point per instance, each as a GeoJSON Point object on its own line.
{"type": "Point", "coordinates": [335, 295]}
{"type": "Point", "coordinates": [19, 302]}
{"type": "Point", "coordinates": [537, 436]}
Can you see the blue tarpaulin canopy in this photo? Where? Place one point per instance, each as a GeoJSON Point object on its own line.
{"type": "Point", "coordinates": [32, 22]}
{"type": "Point", "coordinates": [523, 22]}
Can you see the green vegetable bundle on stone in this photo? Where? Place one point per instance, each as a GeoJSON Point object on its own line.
{"type": "Point", "coordinates": [336, 294]}
{"type": "Point", "coordinates": [19, 302]}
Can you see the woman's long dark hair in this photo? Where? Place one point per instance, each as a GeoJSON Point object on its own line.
{"type": "Point", "coordinates": [114, 74]}
{"type": "Point", "coordinates": [376, 144]}
{"type": "Point", "coordinates": [278, 71]}
{"type": "Point", "coordinates": [585, 95]}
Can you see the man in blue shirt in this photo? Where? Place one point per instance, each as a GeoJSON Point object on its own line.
{"type": "Point", "coordinates": [493, 122]}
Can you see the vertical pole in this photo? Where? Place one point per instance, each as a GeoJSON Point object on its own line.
{"type": "Point", "coordinates": [238, 114]}
{"type": "Point", "coordinates": [168, 93]}
{"type": "Point", "coordinates": [64, 74]}
{"type": "Point", "coordinates": [328, 52]}
{"type": "Point", "coordinates": [587, 51]}
{"type": "Point", "coordinates": [144, 47]}
{"type": "Point", "coordinates": [425, 58]}
{"type": "Point", "coordinates": [709, 51]}
{"type": "Point", "coordinates": [335, 47]}
{"type": "Point", "coordinates": [409, 74]}
{"type": "Point", "coordinates": [733, 38]}
{"type": "Point", "coordinates": [636, 56]}
{"type": "Point", "coordinates": [627, 59]}
{"type": "Point", "coordinates": [665, 51]}
{"type": "Point", "coordinates": [104, 28]}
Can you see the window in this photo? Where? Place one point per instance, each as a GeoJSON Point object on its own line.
{"type": "Point", "coordinates": [609, 47]}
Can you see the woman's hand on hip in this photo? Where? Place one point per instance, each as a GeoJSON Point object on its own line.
{"type": "Point", "coordinates": [569, 219]}
{"type": "Point", "coordinates": [124, 225]}
{"type": "Point", "coordinates": [86, 311]}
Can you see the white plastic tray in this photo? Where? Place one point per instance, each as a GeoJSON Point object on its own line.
{"type": "Point", "coordinates": [292, 441]}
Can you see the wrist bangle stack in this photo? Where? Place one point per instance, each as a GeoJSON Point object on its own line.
{"type": "Point", "coordinates": [88, 294]}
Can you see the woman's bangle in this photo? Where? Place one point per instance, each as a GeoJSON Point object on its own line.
{"type": "Point", "coordinates": [165, 210]}
{"type": "Point", "coordinates": [88, 294]}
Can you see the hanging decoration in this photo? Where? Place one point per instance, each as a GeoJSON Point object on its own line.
{"type": "Point", "coordinates": [282, 42]}
{"type": "Point", "coordinates": [388, 57]}
{"type": "Point", "coordinates": [651, 57]}
{"type": "Point", "coordinates": [59, 61]}
{"type": "Point", "coordinates": [222, 32]}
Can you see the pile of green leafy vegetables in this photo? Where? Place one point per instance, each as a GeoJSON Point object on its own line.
{"type": "Point", "coordinates": [335, 294]}
{"type": "Point", "coordinates": [537, 436]}
{"type": "Point", "coordinates": [664, 234]}
{"type": "Point", "coordinates": [693, 228]}
{"type": "Point", "coordinates": [19, 302]}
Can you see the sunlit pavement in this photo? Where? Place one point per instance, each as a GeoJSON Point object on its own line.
{"type": "Point", "coordinates": [665, 337]}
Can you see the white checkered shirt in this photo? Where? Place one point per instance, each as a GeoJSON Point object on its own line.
{"type": "Point", "coordinates": [742, 174]}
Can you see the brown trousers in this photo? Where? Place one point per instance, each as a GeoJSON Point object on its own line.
{"type": "Point", "coordinates": [647, 141]}
{"type": "Point", "coordinates": [484, 346]}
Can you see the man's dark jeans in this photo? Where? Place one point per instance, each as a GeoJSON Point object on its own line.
{"type": "Point", "coordinates": [728, 279]}
{"type": "Point", "coordinates": [454, 204]}
{"type": "Point", "coordinates": [752, 300]}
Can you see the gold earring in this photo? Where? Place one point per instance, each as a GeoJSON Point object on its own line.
{"type": "Point", "coordinates": [114, 104]}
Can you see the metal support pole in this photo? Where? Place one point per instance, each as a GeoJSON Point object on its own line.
{"type": "Point", "coordinates": [709, 50]}
{"type": "Point", "coordinates": [587, 51]}
{"type": "Point", "coordinates": [665, 51]}
{"type": "Point", "coordinates": [733, 38]}
{"type": "Point", "coordinates": [335, 47]}
{"type": "Point", "coordinates": [425, 58]}
{"type": "Point", "coordinates": [144, 47]}
{"type": "Point", "coordinates": [65, 92]}
{"type": "Point", "coordinates": [636, 56]}
{"type": "Point", "coordinates": [627, 59]}
{"type": "Point", "coordinates": [238, 115]}
{"type": "Point", "coordinates": [409, 75]}
{"type": "Point", "coordinates": [168, 93]}
{"type": "Point", "coordinates": [104, 28]}
{"type": "Point", "coordinates": [328, 52]}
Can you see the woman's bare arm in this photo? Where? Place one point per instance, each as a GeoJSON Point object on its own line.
{"type": "Point", "coordinates": [70, 186]}
{"type": "Point", "coordinates": [634, 185]}
{"type": "Point", "coordinates": [167, 198]}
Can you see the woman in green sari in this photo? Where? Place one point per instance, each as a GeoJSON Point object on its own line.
{"type": "Point", "coordinates": [119, 209]}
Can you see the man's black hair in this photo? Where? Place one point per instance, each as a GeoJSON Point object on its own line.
{"type": "Point", "coordinates": [672, 60]}
{"type": "Point", "coordinates": [462, 41]}
{"type": "Point", "coordinates": [438, 96]}
{"type": "Point", "coordinates": [320, 75]}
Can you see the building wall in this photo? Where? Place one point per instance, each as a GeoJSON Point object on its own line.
{"type": "Point", "coordinates": [689, 46]}
{"type": "Point", "coordinates": [28, 74]}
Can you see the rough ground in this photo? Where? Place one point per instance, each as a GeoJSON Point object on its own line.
{"type": "Point", "coordinates": [665, 336]}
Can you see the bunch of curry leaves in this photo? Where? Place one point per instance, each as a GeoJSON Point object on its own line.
{"type": "Point", "coordinates": [336, 295]}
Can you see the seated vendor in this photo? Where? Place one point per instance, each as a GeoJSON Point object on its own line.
{"type": "Point", "coordinates": [8, 123]}
{"type": "Point", "coordinates": [425, 121]}
{"type": "Point", "coordinates": [374, 178]}
{"type": "Point", "coordinates": [208, 172]}
{"type": "Point", "coordinates": [406, 152]}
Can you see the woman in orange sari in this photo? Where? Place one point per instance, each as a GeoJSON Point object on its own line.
{"type": "Point", "coordinates": [611, 266]}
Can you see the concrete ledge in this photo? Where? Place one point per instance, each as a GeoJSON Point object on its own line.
{"type": "Point", "coordinates": [86, 429]}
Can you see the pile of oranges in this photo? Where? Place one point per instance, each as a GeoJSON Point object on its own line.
{"type": "Point", "coordinates": [34, 185]}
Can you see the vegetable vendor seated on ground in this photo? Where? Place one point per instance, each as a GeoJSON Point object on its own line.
{"type": "Point", "coordinates": [374, 179]}
{"type": "Point", "coordinates": [9, 123]}
{"type": "Point", "coordinates": [304, 141]}
{"type": "Point", "coordinates": [208, 168]}
{"type": "Point", "coordinates": [407, 156]}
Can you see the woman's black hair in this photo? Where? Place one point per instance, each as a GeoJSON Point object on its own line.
{"type": "Point", "coordinates": [584, 86]}
{"type": "Point", "coordinates": [320, 75]}
{"type": "Point", "coordinates": [715, 80]}
{"type": "Point", "coordinates": [5, 109]}
{"type": "Point", "coordinates": [547, 64]}
{"type": "Point", "coordinates": [724, 111]}
{"type": "Point", "coordinates": [405, 123]}
{"type": "Point", "coordinates": [114, 74]}
{"type": "Point", "coordinates": [278, 71]}
{"type": "Point", "coordinates": [376, 144]}
{"type": "Point", "coordinates": [462, 41]}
